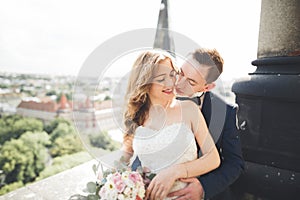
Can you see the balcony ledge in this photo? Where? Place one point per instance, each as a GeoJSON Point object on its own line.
{"type": "Point", "coordinates": [59, 187]}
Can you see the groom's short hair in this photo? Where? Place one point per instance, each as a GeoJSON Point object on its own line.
{"type": "Point", "coordinates": [209, 57]}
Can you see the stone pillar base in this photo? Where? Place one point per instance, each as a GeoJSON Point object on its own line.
{"type": "Point", "coordinates": [269, 116]}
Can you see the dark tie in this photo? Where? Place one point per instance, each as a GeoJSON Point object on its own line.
{"type": "Point", "coordinates": [196, 100]}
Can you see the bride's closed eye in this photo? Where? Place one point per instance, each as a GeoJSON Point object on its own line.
{"type": "Point", "coordinates": [161, 80]}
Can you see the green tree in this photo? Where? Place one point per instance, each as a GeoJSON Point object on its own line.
{"type": "Point", "coordinates": [27, 124]}
{"type": "Point", "coordinates": [10, 187]}
{"type": "Point", "coordinates": [104, 141]}
{"type": "Point", "coordinates": [65, 162]}
{"type": "Point", "coordinates": [13, 126]}
{"type": "Point", "coordinates": [50, 93]}
{"type": "Point", "coordinates": [64, 140]}
{"type": "Point", "coordinates": [6, 125]}
{"type": "Point", "coordinates": [3, 86]}
{"type": "Point", "coordinates": [22, 159]}
{"type": "Point", "coordinates": [54, 123]}
{"type": "Point", "coordinates": [61, 130]}
{"type": "Point", "coordinates": [107, 98]}
{"type": "Point", "coordinates": [67, 144]}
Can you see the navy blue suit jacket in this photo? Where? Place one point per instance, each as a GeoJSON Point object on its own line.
{"type": "Point", "coordinates": [221, 120]}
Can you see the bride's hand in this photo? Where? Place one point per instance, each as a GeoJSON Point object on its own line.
{"type": "Point", "coordinates": [161, 184]}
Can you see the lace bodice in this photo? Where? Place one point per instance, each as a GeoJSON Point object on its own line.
{"type": "Point", "coordinates": [158, 149]}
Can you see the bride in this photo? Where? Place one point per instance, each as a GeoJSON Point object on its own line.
{"type": "Point", "coordinates": [162, 131]}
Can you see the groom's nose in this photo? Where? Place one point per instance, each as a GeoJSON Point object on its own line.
{"type": "Point", "coordinates": [180, 80]}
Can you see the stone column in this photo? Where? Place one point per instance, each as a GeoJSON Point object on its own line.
{"type": "Point", "coordinates": [279, 33]}
{"type": "Point", "coordinates": [269, 106]}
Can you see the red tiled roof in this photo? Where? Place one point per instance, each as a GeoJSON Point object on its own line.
{"type": "Point", "coordinates": [49, 106]}
{"type": "Point", "coordinates": [63, 103]}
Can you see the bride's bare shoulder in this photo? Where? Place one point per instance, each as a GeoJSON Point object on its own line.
{"type": "Point", "coordinates": [190, 113]}
{"type": "Point", "coordinates": [189, 106]}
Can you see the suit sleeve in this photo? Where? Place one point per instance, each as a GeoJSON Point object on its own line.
{"type": "Point", "coordinates": [232, 162]}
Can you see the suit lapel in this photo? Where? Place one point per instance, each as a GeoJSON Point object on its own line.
{"type": "Point", "coordinates": [206, 108]}
{"type": "Point", "coordinates": [214, 112]}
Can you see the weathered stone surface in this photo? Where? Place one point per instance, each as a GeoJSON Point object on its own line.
{"type": "Point", "coordinates": [58, 187]}
{"type": "Point", "coordinates": [279, 28]}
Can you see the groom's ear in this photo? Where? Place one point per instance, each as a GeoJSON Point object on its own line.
{"type": "Point", "coordinates": [209, 86]}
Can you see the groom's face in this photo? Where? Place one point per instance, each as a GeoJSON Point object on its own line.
{"type": "Point", "coordinates": [190, 80]}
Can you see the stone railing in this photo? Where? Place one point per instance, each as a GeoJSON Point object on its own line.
{"type": "Point", "coordinates": [61, 186]}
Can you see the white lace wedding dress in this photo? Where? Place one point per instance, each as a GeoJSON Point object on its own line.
{"type": "Point", "coordinates": [158, 149]}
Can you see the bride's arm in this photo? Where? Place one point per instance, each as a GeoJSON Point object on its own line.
{"type": "Point", "coordinates": [210, 159]}
{"type": "Point", "coordinates": [163, 181]}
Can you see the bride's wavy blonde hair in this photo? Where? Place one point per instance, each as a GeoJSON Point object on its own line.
{"type": "Point", "coordinates": [139, 84]}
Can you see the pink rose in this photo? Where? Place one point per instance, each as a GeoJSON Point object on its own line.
{"type": "Point", "coordinates": [135, 177]}
{"type": "Point", "coordinates": [118, 182]}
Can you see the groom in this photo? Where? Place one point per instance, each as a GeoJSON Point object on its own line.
{"type": "Point", "coordinates": [198, 73]}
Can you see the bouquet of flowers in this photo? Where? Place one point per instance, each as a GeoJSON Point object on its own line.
{"type": "Point", "coordinates": [123, 185]}
{"type": "Point", "coordinates": [119, 183]}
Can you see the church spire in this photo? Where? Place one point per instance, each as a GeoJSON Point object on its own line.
{"type": "Point", "coordinates": [163, 37]}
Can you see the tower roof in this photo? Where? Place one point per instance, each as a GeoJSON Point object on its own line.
{"type": "Point", "coordinates": [163, 38]}
{"type": "Point", "coordinates": [63, 103]}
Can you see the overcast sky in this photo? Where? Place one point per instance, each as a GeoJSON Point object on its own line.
{"type": "Point", "coordinates": [56, 36]}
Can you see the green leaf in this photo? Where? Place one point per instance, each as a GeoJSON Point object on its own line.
{"type": "Point", "coordinates": [91, 187]}
{"type": "Point", "coordinates": [151, 176]}
{"type": "Point", "coordinates": [92, 197]}
{"type": "Point", "coordinates": [95, 169]}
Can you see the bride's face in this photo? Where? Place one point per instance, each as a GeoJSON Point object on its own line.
{"type": "Point", "coordinates": [163, 82]}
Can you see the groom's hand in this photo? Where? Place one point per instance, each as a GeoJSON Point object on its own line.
{"type": "Point", "coordinates": [193, 191]}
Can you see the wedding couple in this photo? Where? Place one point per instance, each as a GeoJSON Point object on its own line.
{"type": "Point", "coordinates": [166, 134]}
